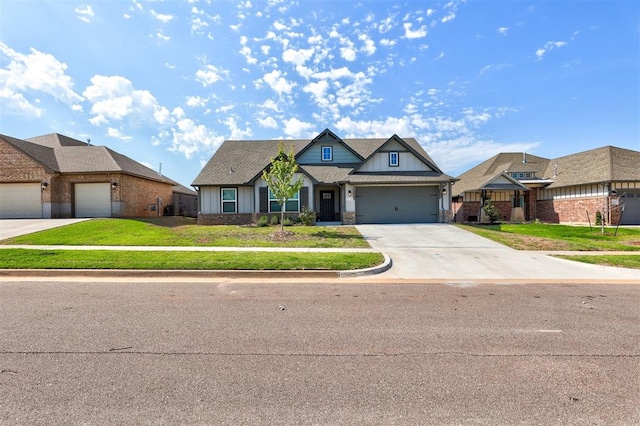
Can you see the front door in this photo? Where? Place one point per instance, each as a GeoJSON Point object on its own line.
{"type": "Point", "coordinates": [327, 206]}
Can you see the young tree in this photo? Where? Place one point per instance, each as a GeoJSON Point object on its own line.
{"type": "Point", "coordinates": [280, 177]}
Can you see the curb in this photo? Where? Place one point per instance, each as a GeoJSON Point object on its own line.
{"type": "Point", "coordinates": [181, 273]}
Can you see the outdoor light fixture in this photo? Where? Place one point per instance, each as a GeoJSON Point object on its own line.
{"type": "Point", "coordinates": [44, 185]}
{"type": "Point", "coordinates": [349, 193]}
{"type": "Point", "coordinates": [114, 185]}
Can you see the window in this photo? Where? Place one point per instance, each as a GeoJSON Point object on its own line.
{"type": "Point", "coordinates": [394, 159]}
{"type": "Point", "coordinates": [229, 200]}
{"type": "Point", "coordinates": [327, 153]}
{"type": "Point", "coordinates": [293, 204]}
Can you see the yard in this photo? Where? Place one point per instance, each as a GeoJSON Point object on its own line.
{"type": "Point", "coordinates": [179, 232]}
{"type": "Point", "coordinates": [550, 237]}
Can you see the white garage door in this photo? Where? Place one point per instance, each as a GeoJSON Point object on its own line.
{"type": "Point", "coordinates": [92, 199]}
{"type": "Point", "coordinates": [20, 201]}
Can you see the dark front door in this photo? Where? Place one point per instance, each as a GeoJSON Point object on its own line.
{"type": "Point", "coordinates": [327, 206]}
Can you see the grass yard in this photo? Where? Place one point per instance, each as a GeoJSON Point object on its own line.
{"type": "Point", "coordinates": [548, 237]}
{"type": "Point", "coordinates": [178, 231]}
{"type": "Point", "coordinates": [558, 237]}
{"type": "Point", "coordinates": [106, 259]}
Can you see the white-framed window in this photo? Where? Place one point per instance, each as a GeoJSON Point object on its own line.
{"type": "Point", "coordinates": [229, 200]}
{"type": "Point", "coordinates": [394, 159]}
{"type": "Point", "coordinates": [327, 153]}
{"type": "Point", "coordinates": [292, 205]}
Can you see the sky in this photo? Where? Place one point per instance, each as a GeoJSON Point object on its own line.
{"type": "Point", "coordinates": [166, 82]}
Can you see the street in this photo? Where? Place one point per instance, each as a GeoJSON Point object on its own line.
{"type": "Point", "coordinates": [338, 352]}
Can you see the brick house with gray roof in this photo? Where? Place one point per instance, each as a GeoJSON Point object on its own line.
{"type": "Point", "coordinates": [569, 189]}
{"type": "Point", "coordinates": [55, 176]}
{"type": "Point", "coordinates": [349, 181]}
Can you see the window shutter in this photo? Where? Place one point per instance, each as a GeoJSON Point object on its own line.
{"type": "Point", "coordinates": [264, 199]}
{"type": "Point", "coordinates": [304, 197]}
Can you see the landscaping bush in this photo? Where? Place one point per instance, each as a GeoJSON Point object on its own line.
{"type": "Point", "coordinates": [307, 217]}
{"type": "Point", "coordinates": [274, 220]}
{"type": "Point", "coordinates": [491, 211]}
{"type": "Point", "coordinates": [263, 221]}
{"type": "Point", "coordinates": [288, 221]}
{"type": "Point", "coordinates": [598, 217]}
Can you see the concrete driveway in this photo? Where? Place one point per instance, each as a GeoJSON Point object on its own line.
{"type": "Point", "coordinates": [441, 251]}
{"type": "Point", "coordinates": [10, 228]}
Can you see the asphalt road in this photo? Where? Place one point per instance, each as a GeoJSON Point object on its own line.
{"type": "Point", "coordinates": [336, 352]}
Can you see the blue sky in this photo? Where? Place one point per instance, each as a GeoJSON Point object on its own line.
{"type": "Point", "coordinates": [165, 82]}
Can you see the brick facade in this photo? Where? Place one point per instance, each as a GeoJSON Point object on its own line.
{"type": "Point", "coordinates": [575, 210]}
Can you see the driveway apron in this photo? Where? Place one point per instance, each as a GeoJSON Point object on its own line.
{"type": "Point", "coordinates": [10, 228]}
{"type": "Point", "coordinates": [442, 251]}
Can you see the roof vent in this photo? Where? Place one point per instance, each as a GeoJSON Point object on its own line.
{"type": "Point", "coordinates": [88, 142]}
{"type": "Point", "coordinates": [555, 170]}
{"type": "Point", "coordinates": [524, 158]}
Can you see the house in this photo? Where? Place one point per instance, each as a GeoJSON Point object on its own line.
{"type": "Point", "coordinates": [570, 189]}
{"type": "Point", "coordinates": [55, 176]}
{"type": "Point", "coordinates": [351, 181]}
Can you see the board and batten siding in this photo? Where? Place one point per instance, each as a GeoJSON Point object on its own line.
{"type": "Point", "coordinates": [210, 202]}
{"type": "Point", "coordinates": [407, 163]}
{"type": "Point", "coordinates": [341, 155]}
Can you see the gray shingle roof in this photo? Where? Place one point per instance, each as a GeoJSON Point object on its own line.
{"type": "Point", "coordinates": [62, 154]}
{"type": "Point", "coordinates": [238, 162]}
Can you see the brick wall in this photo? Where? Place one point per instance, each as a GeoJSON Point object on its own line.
{"type": "Point", "coordinates": [572, 210]}
{"type": "Point", "coordinates": [225, 219]}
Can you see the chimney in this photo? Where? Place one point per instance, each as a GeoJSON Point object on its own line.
{"type": "Point", "coordinates": [524, 158]}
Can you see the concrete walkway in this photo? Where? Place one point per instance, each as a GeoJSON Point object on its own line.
{"type": "Point", "coordinates": [446, 252]}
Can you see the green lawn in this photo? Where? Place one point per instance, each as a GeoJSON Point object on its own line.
{"type": "Point", "coordinates": [184, 232]}
{"type": "Point", "coordinates": [106, 259]}
{"type": "Point", "coordinates": [567, 238]}
{"type": "Point", "coordinates": [172, 231]}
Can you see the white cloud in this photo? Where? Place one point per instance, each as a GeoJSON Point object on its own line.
{"type": "Point", "coordinates": [387, 42]}
{"type": "Point", "coordinates": [85, 13]}
{"type": "Point", "coordinates": [278, 83]}
{"type": "Point", "coordinates": [35, 73]}
{"type": "Point", "coordinates": [271, 105]}
{"type": "Point", "coordinates": [117, 133]}
{"type": "Point", "coordinates": [297, 57]}
{"type": "Point", "coordinates": [369, 46]}
{"type": "Point", "coordinates": [164, 18]}
{"type": "Point", "coordinates": [411, 34]}
{"type": "Point", "coordinates": [236, 132]}
{"type": "Point", "coordinates": [246, 52]}
{"type": "Point", "coordinates": [348, 54]}
{"type": "Point", "coordinates": [297, 129]}
{"type": "Point", "coordinates": [549, 46]}
{"type": "Point", "coordinates": [190, 138]}
{"type": "Point", "coordinates": [198, 25]}
{"type": "Point", "coordinates": [210, 75]}
{"type": "Point", "coordinates": [503, 30]}
{"type": "Point", "coordinates": [114, 99]}
{"type": "Point", "coordinates": [196, 101]}
{"type": "Point", "coordinates": [268, 122]}
{"type": "Point", "coordinates": [162, 36]}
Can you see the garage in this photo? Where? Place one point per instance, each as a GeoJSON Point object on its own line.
{"type": "Point", "coordinates": [92, 199]}
{"type": "Point", "coordinates": [397, 204]}
{"type": "Point", "coordinates": [631, 202]}
{"type": "Point", "coordinates": [20, 201]}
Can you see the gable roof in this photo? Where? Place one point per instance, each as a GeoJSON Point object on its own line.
{"type": "Point", "coordinates": [240, 162]}
{"type": "Point", "coordinates": [62, 154]}
{"type": "Point", "coordinates": [416, 150]}
{"type": "Point", "coordinates": [474, 179]}
{"type": "Point", "coordinates": [604, 164]}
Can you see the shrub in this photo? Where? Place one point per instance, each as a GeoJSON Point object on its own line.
{"type": "Point", "coordinates": [263, 221]}
{"type": "Point", "coordinates": [288, 221]}
{"type": "Point", "coordinates": [274, 220]}
{"type": "Point", "coordinates": [491, 211]}
{"type": "Point", "coordinates": [598, 217]}
{"type": "Point", "coordinates": [307, 217]}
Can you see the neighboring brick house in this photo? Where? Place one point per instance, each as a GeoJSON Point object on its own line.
{"type": "Point", "coordinates": [570, 189]}
{"type": "Point", "coordinates": [345, 180]}
{"type": "Point", "coordinates": [55, 176]}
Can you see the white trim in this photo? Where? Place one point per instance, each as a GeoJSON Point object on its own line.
{"type": "Point", "coordinates": [234, 201]}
